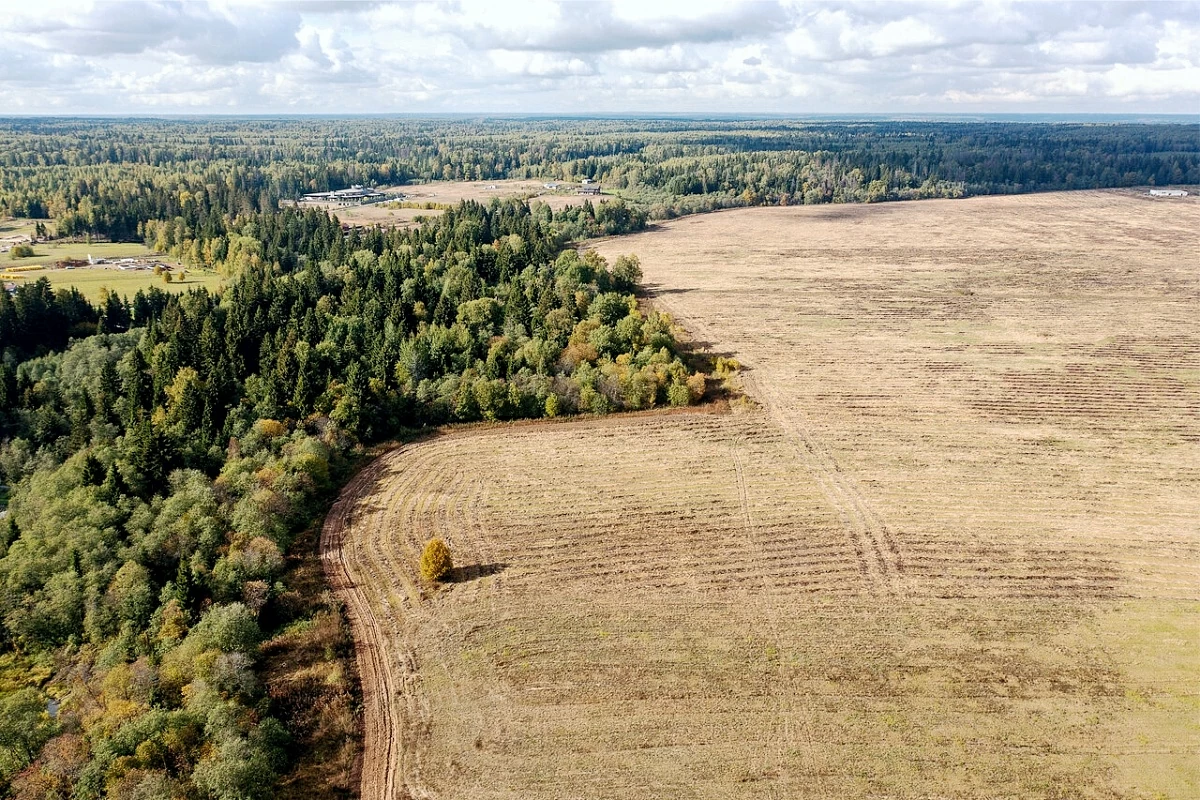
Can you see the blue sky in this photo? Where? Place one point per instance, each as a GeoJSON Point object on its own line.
{"type": "Point", "coordinates": [321, 56]}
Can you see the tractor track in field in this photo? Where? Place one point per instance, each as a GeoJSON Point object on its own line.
{"type": "Point", "coordinates": [879, 556]}
{"type": "Point", "coordinates": [388, 684]}
{"type": "Point", "coordinates": [952, 463]}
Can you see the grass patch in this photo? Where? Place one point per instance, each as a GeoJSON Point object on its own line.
{"type": "Point", "coordinates": [93, 280]}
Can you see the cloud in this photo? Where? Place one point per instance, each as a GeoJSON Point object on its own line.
{"type": "Point", "coordinates": [595, 27]}
{"type": "Point", "coordinates": [207, 33]}
{"type": "Point", "coordinates": [540, 65]}
{"type": "Point", "coordinates": [675, 58]}
{"type": "Point", "coordinates": [789, 56]}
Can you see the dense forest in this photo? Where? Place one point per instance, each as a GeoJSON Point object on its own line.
{"type": "Point", "coordinates": [108, 177]}
{"type": "Point", "coordinates": [167, 456]}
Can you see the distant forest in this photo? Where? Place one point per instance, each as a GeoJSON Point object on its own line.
{"type": "Point", "coordinates": [167, 457]}
{"type": "Point", "coordinates": [109, 177]}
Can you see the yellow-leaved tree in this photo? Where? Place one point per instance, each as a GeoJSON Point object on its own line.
{"type": "Point", "coordinates": [436, 561]}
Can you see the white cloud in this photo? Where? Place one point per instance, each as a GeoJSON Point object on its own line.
{"type": "Point", "coordinates": [540, 65]}
{"type": "Point", "coordinates": [208, 33]}
{"type": "Point", "coordinates": [131, 56]}
{"type": "Point", "coordinates": [675, 58]}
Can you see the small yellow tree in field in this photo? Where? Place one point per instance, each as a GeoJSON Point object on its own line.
{"type": "Point", "coordinates": [436, 561]}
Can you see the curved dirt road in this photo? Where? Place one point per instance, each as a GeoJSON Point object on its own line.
{"type": "Point", "coordinates": [382, 687]}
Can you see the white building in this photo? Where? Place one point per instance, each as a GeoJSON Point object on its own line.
{"type": "Point", "coordinates": [1168, 193]}
{"type": "Point", "coordinates": [355, 195]}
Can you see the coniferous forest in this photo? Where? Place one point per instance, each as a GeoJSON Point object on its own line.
{"type": "Point", "coordinates": [167, 457]}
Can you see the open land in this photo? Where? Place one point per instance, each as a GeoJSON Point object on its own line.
{"type": "Point", "coordinates": [92, 280]}
{"type": "Point", "coordinates": [47, 254]}
{"type": "Point", "coordinates": [952, 551]}
{"type": "Point", "coordinates": [443, 193]}
{"type": "Point", "coordinates": [450, 192]}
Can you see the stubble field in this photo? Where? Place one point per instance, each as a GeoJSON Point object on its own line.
{"type": "Point", "coordinates": [448, 193]}
{"type": "Point", "coordinates": [953, 552]}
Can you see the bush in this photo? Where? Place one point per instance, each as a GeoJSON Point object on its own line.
{"type": "Point", "coordinates": [21, 251]}
{"type": "Point", "coordinates": [436, 561]}
{"type": "Point", "coordinates": [678, 394]}
{"type": "Point", "coordinates": [270, 428]}
{"type": "Point", "coordinates": [726, 367]}
{"type": "Point", "coordinates": [627, 273]}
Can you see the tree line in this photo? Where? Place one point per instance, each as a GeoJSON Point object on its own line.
{"type": "Point", "coordinates": [110, 177]}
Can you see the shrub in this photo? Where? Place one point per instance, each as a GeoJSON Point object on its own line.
{"type": "Point", "coordinates": [726, 367]}
{"type": "Point", "coordinates": [21, 251]}
{"type": "Point", "coordinates": [436, 561]}
{"type": "Point", "coordinates": [271, 428]}
{"type": "Point", "coordinates": [627, 272]}
{"type": "Point", "coordinates": [678, 394]}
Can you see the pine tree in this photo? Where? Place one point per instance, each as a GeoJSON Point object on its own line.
{"type": "Point", "coordinates": [137, 386]}
{"type": "Point", "coordinates": [93, 471]}
{"type": "Point", "coordinates": [113, 487]}
{"type": "Point", "coordinates": [109, 390]}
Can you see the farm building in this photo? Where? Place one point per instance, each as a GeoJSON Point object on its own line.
{"type": "Point", "coordinates": [589, 188]}
{"type": "Point", "coordinates": [356, 195]}
{"type": "Point", "coordinates": [1168, 193]}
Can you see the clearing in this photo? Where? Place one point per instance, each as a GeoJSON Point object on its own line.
{"type": "Point", "coordinates": [954, 553]}
{"type": "Point", "coordinates": [442, 193]}
{"type": "Point", "coordinates": [450, 192]}
{"type": "Point", "coordinates": [91, 280]}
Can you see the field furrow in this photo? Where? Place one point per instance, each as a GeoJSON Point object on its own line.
{"type": "Point", "coordinates": [953, 551]}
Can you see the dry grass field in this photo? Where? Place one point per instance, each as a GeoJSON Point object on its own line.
{"type": "Point", "coordinates": [383, 214]}
{"type": "Point", "coordinates": [953, 552]}
{"type": "Point", "coordinates": [449, 193]}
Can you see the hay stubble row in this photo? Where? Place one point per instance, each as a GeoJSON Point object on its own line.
{"type": "Point", "coordinates": [952, 554]}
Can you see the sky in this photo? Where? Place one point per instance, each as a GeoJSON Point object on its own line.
{"type": "Point", "coordinates": [639, 56]}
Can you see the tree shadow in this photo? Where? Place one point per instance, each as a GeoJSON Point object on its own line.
{"type": "Point", "coordinates": [474, 572]}
{"type": "Point", "coordinates": [653, 289]}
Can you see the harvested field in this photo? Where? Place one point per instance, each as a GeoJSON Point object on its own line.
{"type": "Point", "coordinates": [450, 193]}
{"type": "Point", "coordinates": [954, 553]}
{"type": "Point", "coordinates": [383, 214]}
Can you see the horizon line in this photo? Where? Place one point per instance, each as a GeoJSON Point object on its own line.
{"type": "Point", "coordinates": [907, 116]}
